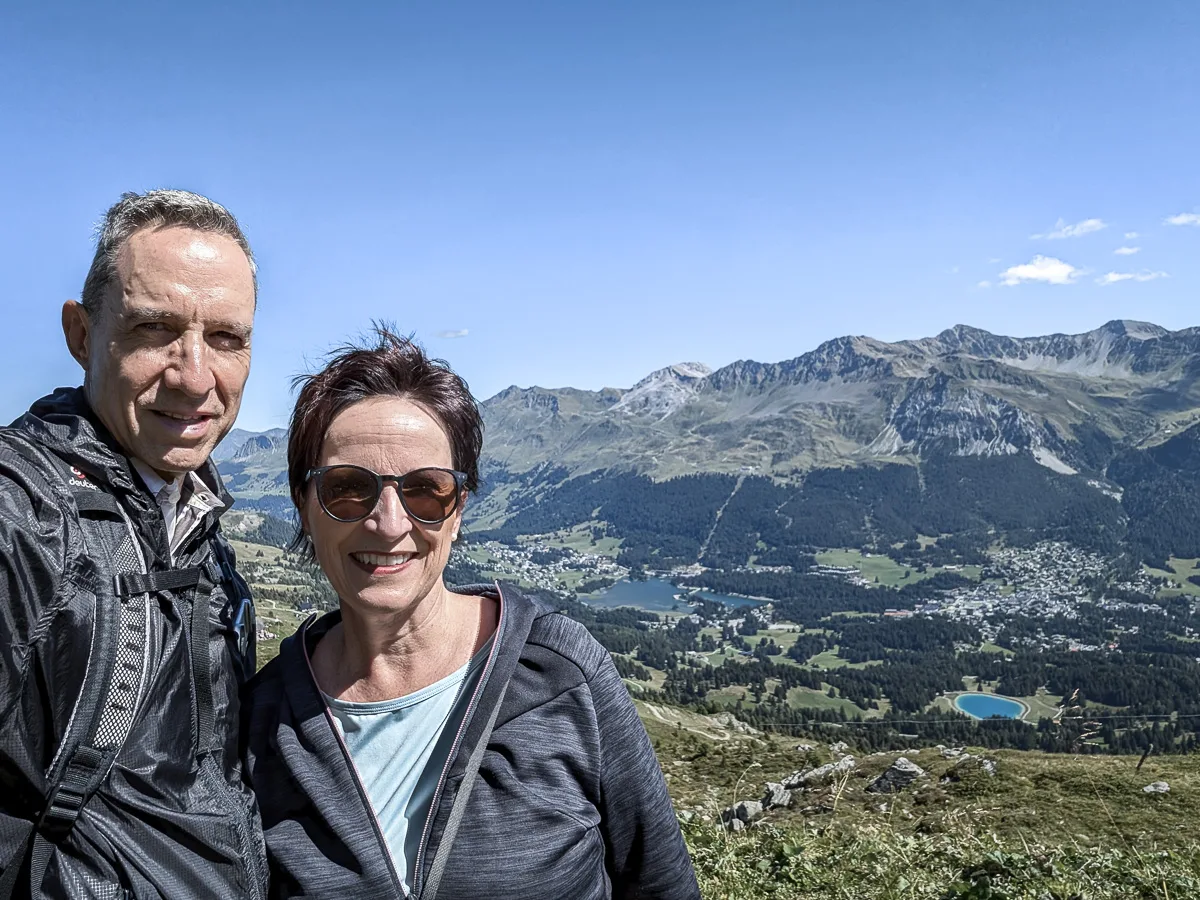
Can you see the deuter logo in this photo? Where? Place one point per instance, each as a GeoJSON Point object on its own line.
{"type": "Point", "coordinates": [81, 480]}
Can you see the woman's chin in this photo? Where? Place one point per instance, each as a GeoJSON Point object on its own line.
{"type": "Point", "coordinates": [385, 594]}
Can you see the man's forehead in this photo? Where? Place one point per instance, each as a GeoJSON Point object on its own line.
{"type": "Point", "coordinates": [181, 269]}
{"type": "Point", "coordinates": [180, 244]}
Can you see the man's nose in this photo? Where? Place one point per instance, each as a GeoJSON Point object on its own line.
{"type": "Point", "coordinates": [389, 518]}
{"type": "Point", "coordinates": [191, 369]}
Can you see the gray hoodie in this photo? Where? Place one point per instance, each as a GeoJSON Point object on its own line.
{"type": "Point", "coordinates": [569, 801]}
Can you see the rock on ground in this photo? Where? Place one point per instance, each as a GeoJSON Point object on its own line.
{"type": "Point", "coordinates": [776, 796]}
{"type": "Point", "coordinates": [967, 762]}
{"type": "Point", "coordinates": [742, 814]}
{"type": "Point", "coordinates": [1158, 787]}
{"type": "Point", "coordinates": [900, 775]}
{"type": "Point", "coordinates": [819, 775]}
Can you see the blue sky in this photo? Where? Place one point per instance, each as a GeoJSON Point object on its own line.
{"type": "Point", "coordinates": [587, 192]}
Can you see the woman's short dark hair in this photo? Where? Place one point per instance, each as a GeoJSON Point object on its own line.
{"type": "Point", "coordinates": [392, 366]}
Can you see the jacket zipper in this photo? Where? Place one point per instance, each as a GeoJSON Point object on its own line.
{"type": "Point", "coordinates": [252, 855]}
{"type": "Point", "coordinates": [354, 775]}
{"type": "Point", "coordinates": [437, 793]}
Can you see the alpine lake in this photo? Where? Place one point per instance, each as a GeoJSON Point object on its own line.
{"type": "Point", "coordinates": [986, 706]}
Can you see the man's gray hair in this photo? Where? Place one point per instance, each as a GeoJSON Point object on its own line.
{"type": "Point", "coordinates": [154, 209]}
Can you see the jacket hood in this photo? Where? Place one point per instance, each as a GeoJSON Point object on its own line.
{"type": "Point", "coordinates": [65, 423]}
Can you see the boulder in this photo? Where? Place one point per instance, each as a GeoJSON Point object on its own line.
{"type": "Point", "coordinates": [744, 812]}
{"type": "Point", "coordinates": [952, 752]}
{"type": "Point", "coordinates": [805, 748]}
{"type": "Point", "coordinates": [841, 748]}
{"type": "Point", "coordinates": [900, 775]}
{"type": "Point", "coordinates": [820, 775]}
{"type": "Point", "coordinates": [776, 796]}
{"type": "Point", "coordinates": [1158, 787]}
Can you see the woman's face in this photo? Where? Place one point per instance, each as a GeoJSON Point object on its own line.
{"type": "Point", "coordinates": [391, 436]}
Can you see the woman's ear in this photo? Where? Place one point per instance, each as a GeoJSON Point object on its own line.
{"type": "Point", "coordinates": [302, 512]}
{"type": "Point", "coordinates": [458, 517]}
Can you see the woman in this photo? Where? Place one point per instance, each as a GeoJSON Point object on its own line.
{"type": "Point", "coordinates": [430, 741]}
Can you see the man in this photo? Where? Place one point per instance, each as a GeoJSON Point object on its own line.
{"type": "Point", "coordinates": [124, 631]}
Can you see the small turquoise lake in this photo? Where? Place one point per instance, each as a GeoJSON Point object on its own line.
{"type": "Point", "coordinates": [654, 595]}
{"type": "Point", "coordinates": [985, 706]}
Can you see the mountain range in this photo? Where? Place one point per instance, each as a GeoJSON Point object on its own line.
{"type": "Point", "coordinates": [1071, 404]}
{"type": "Point", "coordinates": [855, 400]}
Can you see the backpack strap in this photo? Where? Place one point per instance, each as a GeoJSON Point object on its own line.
{"type": "Point", "coordinates": [115, 676]}
{"type": "Point", "coordinates": [458, 808]}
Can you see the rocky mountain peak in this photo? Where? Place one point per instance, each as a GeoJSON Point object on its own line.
{"type": "Point", "coordinates": [257, 444]}
{"type": "Point", "coordinates": [1139, 331]}
{"type": "Point", "coordinates": [663, 391]}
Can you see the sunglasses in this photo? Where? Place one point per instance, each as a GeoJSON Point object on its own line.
{"type": "Point", "coordinates": [429, 495]}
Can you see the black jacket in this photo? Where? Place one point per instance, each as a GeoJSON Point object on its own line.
{"type": "Point", "coordinates": [569, 802]}
{"type": "Point", "coordinates": [164, 824]}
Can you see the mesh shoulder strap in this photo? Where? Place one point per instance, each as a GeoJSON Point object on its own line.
{"type": "Point", "coordinates": [114, 679]}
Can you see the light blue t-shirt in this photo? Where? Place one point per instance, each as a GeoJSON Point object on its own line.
{"type": "Point", "coordinates": [399, 748]}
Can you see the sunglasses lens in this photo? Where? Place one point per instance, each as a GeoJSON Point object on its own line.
{"type": "Point", "coordinates": [429, 495]}
{"type": "Point", "coordinates": [348, 492]}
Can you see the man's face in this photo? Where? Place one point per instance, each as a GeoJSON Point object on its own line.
{"type": "Point", "coordinates": [168, 355]}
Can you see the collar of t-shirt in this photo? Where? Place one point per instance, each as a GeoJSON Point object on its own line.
{"type": "Point", "coordinates": [184, 501]}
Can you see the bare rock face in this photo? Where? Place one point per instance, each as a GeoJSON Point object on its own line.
{"type": "Point", "coordinates": [733, 723]}
{"type": "Point", "coordinates": [900, 775]}
{"type": "Point", "coordinates": [839, 749]}
{"type": "Point", "coordinates": [1158, 787]}
{"type": "Point", "coordinates": [820, 775]}
{"type": "Point", "coordinates": [742, 814]}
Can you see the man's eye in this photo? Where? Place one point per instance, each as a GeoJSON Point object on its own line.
{"type": "Point", "coordinates": [227, 340]}
{"type": "Point", "coordinates": [151, 326]}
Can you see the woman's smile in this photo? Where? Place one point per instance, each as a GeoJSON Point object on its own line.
{"type": "Point", "coordinates": [382, 563]}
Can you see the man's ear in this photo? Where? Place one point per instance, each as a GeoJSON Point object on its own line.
{"type": "Point", "coordinates": [77, 329]}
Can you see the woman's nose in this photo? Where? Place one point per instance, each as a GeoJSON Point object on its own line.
{"type": "Point", "coordinates": [389, 518]}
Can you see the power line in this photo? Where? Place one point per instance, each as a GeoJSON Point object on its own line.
{"type": "Point", "coordinates": [1058, 720]}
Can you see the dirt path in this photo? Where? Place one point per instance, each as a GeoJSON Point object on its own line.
{"type": "Point", "coordinates": [704, 546]}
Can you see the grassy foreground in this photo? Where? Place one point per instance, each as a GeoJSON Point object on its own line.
{"type": "Point", "coordinates": [883, 862]}
{"type": "Point", "coordinates": [1044, 827]}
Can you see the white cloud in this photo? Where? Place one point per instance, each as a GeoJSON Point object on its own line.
{"type": "Point", "coordinates": [461, 333]}
{"type": "Point", "coordinates": [1045, 269]}
{"type": "Point", "coordinates": [1183, 219]}
{"type": "Point", "coordinates": [1114, 277]}
{"type": "Point", "coordinates": [1063, 230]}
{"type": "Point", "coordinates": [1127, 251]}
{"type": "Point", "coordinates": [984, 284]}
{"type": "Point", "coordinates": [1131, 235]}
{"type": "Point", "coordinates": [994, 260]}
